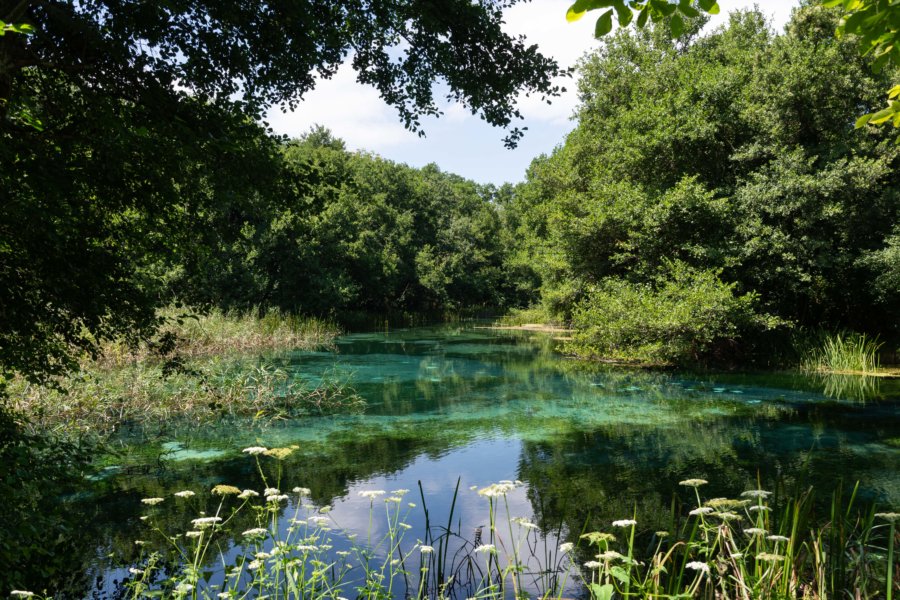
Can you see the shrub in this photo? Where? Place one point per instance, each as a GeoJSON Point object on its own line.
{"type": "Point", "coordinates": [683, 316]}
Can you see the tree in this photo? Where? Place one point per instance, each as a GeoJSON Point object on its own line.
{"type": "Point", "coordinates": [124, 125]}
{"type": "Point", "coordinates": [733, 153]}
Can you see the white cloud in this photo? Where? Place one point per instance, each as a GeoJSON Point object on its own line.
{"type": "Point", "coordinates": [352, 111]}
{"type": "Point", "coordinates": [357, 114]}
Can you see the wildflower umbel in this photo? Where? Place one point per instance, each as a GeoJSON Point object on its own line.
{"type": "Point", "coordinates": [696, 565]}
{"type": "Point", "coordinates": [694, 483]}
{"type": "Point", "coordinates": [624, 523]}
{"type": "Point", "coordinates": [205, 522]}
{"type": "Point", "coordinates": [489, 548]}
{"type": "Point", "coordinates": [762, 494]}
{"type": "Point", "coordinates": [891, 517]}
{"type": "Point", "coordinates": [372, 494]}
{"type": "Point", "coordinates": [495, 490]}
{"type": "Point", "coordinates": [152, 501]}
{"type": "Point", "coordinates": [255, 450]}
{"type": "Point", "coordinates": [566, 548]}
{"type": "Point", "coordinates": [184, 494]}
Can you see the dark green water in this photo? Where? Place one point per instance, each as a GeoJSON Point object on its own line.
{"type": "Point", "coordinates": [477, 405]}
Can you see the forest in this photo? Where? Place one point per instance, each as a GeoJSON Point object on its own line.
{"type": "Point", "coordinates": [726, 203]}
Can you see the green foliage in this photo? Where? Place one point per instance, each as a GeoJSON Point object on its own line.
{"type": "Point", "coordinates": [674, 13]}
{"type": "Point", "coordinates": [732, 152]}
{"type": "Point", "coordinates": [874, 26]}
{"type": "Point", "coordinates": [129, 139]}
{"type": "Point", "coordinates": [683, 316]}
{"type": "Point", "coordinates": [39, 476]}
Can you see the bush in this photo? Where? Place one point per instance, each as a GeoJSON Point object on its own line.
{"type": "Point", "coordinates": [683, 316]}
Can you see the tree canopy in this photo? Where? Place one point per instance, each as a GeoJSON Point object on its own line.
{"type": "Point", "coordinates": [126, 126]}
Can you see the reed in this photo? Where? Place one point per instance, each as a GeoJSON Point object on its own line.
{"type": "Point", "coordinates": [842, 352]}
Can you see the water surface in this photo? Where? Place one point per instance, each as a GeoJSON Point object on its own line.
{"type": "Point", "coordinates": [465, 406]}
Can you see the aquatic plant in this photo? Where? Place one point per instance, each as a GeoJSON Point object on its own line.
{"type": "Point", "coordinates": [98, 401]}
{"type": "Point", "coordinates": [842, 352]}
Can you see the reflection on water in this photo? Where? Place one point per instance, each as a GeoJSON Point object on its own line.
{"type": "Point", "coordinates": [478, 405]}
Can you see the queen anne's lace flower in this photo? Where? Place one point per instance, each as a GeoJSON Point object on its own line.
{"type": "Point", "coordinates": [489, 548]}
{"type": "Point", "coordinates": [698, 566]}
{"type": "Point", "coordinates": [372, 494]}
{"type": "Point", "coordinates": [255, 531]}
{"type": "Point", "coordinates": [756, 494]}
{"type": "Point", "coordinates": [246, 494]}
{"type": "Point", "coordinates": [205, 522]}
{"type": "Point", "coordinates": [624, 523]}
{"type": "Point", "coordinates": [694, 483]}
{"type": "Point", "coordinates": [566, 548]}
{"type": "Point", "coordinates": [703, 510]}
{"type": "Point", "coordinates": [185, 494]}
{"type": "Point", "coordinates": [254, 450]}
{"type": "Point", "coordinates": [152, 501]}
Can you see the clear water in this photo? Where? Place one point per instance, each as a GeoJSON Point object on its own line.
{"type": "Point", "coordinates": [470, 406]}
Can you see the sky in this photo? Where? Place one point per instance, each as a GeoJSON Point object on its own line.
{"type": "Point", "coordinates": [458, 141]}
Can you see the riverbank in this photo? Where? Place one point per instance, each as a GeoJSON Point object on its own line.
{"type": "Point", "coordinates": [196, 370]}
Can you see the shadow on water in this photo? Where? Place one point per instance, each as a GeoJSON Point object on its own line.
{"type": "Point", "coordinates": [591, 443]}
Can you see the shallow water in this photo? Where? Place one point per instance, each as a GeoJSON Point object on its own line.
{"type": "Point", "coordinates": [468, 406]}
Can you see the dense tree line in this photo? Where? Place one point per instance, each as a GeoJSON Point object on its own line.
{"type": "Point", "coordinates": [353, 232]}
{"type": "Point", "coordinates": [714, 189]}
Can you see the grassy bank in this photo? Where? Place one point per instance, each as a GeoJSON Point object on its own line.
{"type": "Point", "coordinates": [198, 369]}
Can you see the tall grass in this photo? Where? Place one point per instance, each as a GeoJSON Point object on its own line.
{"type": "Point", "coordinates": [534, 315]}
{"type": "Point", "coordinates": [196, 370]}
{"type": "Point", "coordinates": [189, 335]}
{"type": "Point", "coordinates": [842, 352]}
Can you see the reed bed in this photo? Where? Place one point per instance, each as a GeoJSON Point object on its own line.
{"type": "Point", "coordinates": [842, 352]}
{"type": "Point", "coordinates": [200, 368]}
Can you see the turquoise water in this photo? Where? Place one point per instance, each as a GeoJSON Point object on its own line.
{"type": "Point", "coordinates": [466, 406]}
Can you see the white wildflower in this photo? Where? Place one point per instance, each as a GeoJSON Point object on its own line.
{"type": "Point", "coordinates": [193, 534]}
{"type": "Point", "coordinates": [778, 538]}
{"type": "Point", "coordinates": [759, 508]}
{"type": "Point", "coordinates": [426, 549]}
{"type": "Point", "coordinates": [496, 490]}
{"type": "Point", "coordinates": [400, 492]}
{"type": "Point", "coordinates": [248, 494]}
{"type": "Point", "coordinates": [888, 516]}
{"type": "Point", "coordinates": [184, 494]}
{"type": "Point", "coordinates": [372, 494]}
{"type": "Point", "coordinates": [302, 491]}
{"type": "Point", "coordinates": [277, 498]}
{"type": "Point", "coordinates": [205, 522]}
{"type": "Point", "coordinates": [694, 483]}
{"type": "Point", "coordinates": [271, 492]}
{"type": "Point", "coordinates": [254, 564]}
{"type": "Point", "coordinates": [755, 531]}
{"type": "Point", "coordinates": [593, 564]}
{"type": "Point", "coordinates": [609, 555]}
{"type": "Point", "coordinates": [395, 499]}
{"type": "Point", "coordinates": [756, 494]}
{"type": "Point", "coordinates": [134, 571]}
{"type": "Point", "coordinates": [698, 566]}
{"type": "Point", "coordinates": [566, 548]}
{"type": "Point", "coordinates": [254, 450]}
{"type": "Point", "coordinates": [21, 594]}
{"type": "Point", "coordinates": [152, 501]}
{"type": "Point", "coordinates": [703, 510]}
{"type": "Point", "coordinates": [624, 523]}
{"type": "Point", "coordinates": [255, 531]}
{"type": "Point", "coordinates": [489, 548]}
